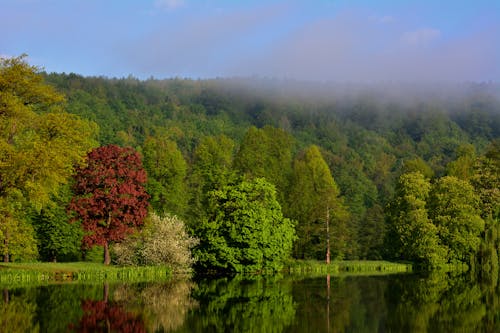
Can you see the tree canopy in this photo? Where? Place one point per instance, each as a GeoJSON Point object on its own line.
{"type": "Point", "coordinates": [246, 230]}
{"type": "Point", "coordinates": [40, 145]}
{"type": "Point", "coordinates": [110, 199]}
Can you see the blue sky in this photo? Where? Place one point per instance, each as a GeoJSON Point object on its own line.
{"type": "Point", "coordinates": [356, 40]}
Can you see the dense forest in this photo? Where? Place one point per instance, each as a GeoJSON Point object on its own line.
{"type": "Point", "coordinates": [396, 171]}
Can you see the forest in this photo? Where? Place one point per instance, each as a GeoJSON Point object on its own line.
{"type": "Point", "coordinates": [248, 171]}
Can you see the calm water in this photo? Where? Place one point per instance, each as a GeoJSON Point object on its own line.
{"type": "Point", "coordinates": [397, 303]}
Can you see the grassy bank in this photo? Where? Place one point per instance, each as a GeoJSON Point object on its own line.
{"type": "Point", "coordinates": [39, 273]}
{"type": "Point", "coordinates": [350, 266]}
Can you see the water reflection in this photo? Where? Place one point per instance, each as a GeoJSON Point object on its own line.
{"type": "Point", "coordinates": [411, 303]}
{"type": "Point", "coordinates": [243, 304]}
{"type": "Point", "coordinates": [17, 312]}
{"type": "Point", "coordinates": [164, 307]}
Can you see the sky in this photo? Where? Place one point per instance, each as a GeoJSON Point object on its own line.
{"type": "Point", "coordinates": [322, 40]}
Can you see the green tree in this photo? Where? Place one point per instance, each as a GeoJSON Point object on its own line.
{"type": "Point", "coordinates": [267, 153]}
{"type": "Point", "coordinates": [417, 164]}
{"type": "Point", "coordinates": [463, 166]}
{"type": "Point", "coordinates": [167, 170]}
{"type": "Point", "coordinates": [39, 146]}
{"type": "Point", "coordinates": [314, 201]}
{"type": "Point", "coordinates": [246, 230]}
{"type": "Point", "coordinates": [58, 240]}
{"type": "Point", "coordinates": [371, 233]}
{"type": "Point", "coordinates": [211, 170]}
{"type": "Point", "coordinates": [412, 234]}
{"type": "Point", "coordinates": [454, 209]}
{"type": "Point", "coordinates": [486, 182]}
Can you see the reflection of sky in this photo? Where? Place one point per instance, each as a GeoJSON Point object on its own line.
{"type": "Point", "coordinates": [355, 40]}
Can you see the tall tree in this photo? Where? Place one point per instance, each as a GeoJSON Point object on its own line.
{"type": "Point", "coordinates": [110, 198]}
{"type": "Point", "coordinates": [58, 240]}
{"type": "Point", "coordinates": [486, 182]}
{"type": "Point", "coordinates": [267, 153]}
{"type": "Point", "coordinates": [39, 145]}
{"type": "Point", "coordinates": [454, 209]}
{"type": "Point", "coordinates": [246, 230]}
{"type": "Point", "coordinates": [314, 201]}
{"type": "Point", "coordinates": [412, 235]}
{"type": "Point", "coordinates": [167, 169]}
{"type": "Point", "coordinates": [211, 170]}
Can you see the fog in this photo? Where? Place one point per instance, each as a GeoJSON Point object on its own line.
{"type": "Point", "coordinates": [351, 46]}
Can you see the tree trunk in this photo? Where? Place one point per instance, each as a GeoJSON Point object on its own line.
{"type": "Point", "coordinates": [107, 258]}
{"type": "Point", "coordinates": [327, 235]}
{"type": "Point", "coordinates": [6, 246]}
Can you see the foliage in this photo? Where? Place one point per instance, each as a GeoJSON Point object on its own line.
{"type": "Point", "coordinates": [246, 230]}
{"type": "Point", "coordinates": [166, 170]}
{"type": "Point", "coordinates": [16, 233]}
{"type": "Point", "coordinates": [39, 145]}
{"type": "Point", "coordinates": [486, 182]}
{"type": "Point", "coordinates": [164, 241]}
{"type": "Point", "coordinates": [314, 196]}
{"type": "Point", "coordinates": [413, 236]}
{"type": "Point", "coordinates": [453, 207]}
{"type": "Point", "coordinates": [211, 169]}
{"type": "Point", "coordinates": [267, 153]}
{"type": "Point", "coordinates": [58, 240]}
{"type": "Point", "coordinates": [110, 199]}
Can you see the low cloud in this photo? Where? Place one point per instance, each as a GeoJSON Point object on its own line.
{"type": "Point", "coordinates": [351, 46]}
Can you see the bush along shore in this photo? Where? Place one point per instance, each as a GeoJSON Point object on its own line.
{"type": "Point", "coordinates": [41, 273]}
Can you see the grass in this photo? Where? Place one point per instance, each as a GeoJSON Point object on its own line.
{"type": "Point", "coordinates": [42, 272]}
{"type": "Point", "coordinates": [348, 266]}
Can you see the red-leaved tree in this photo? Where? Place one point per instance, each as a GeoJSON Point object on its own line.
{"type": "Point", "coordinates": [110, 199]}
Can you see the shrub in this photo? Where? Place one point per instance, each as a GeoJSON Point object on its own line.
{"type": "Point", "coordinates": [163, 241]}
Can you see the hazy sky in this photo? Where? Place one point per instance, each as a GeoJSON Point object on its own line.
{"type": "Point", "coordinates": [349, 40]}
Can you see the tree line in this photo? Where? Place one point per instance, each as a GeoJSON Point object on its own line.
{"type": "Point", "coordinates": [256, 174]}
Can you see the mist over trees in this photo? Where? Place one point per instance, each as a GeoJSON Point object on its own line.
{"type": "Point", "coordinates": [380, 163]}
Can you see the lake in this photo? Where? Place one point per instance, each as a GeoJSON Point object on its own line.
{"type": "Point", "coordinates": [389, 303]}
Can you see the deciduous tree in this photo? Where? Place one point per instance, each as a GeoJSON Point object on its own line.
{"type": "Point", "coordinates": [454, 209]}
{"type": "Point", "coordinates": [412, 235]}
{"type": "Point", "coordinates": [167, 170]}
{"type": "Point", "coordinates": [39, 145]}
{"type": "Point", "coordinates": [246, 230]}
{"type": "Point", "coordinates": [110, 198]}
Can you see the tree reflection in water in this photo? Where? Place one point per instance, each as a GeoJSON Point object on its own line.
{"type": "Point", "coordinates": [164, 306]}
{"type": "Point", "coordinates": [437, 302]}
{"type": "Point", "coordinates": [107, 316]}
